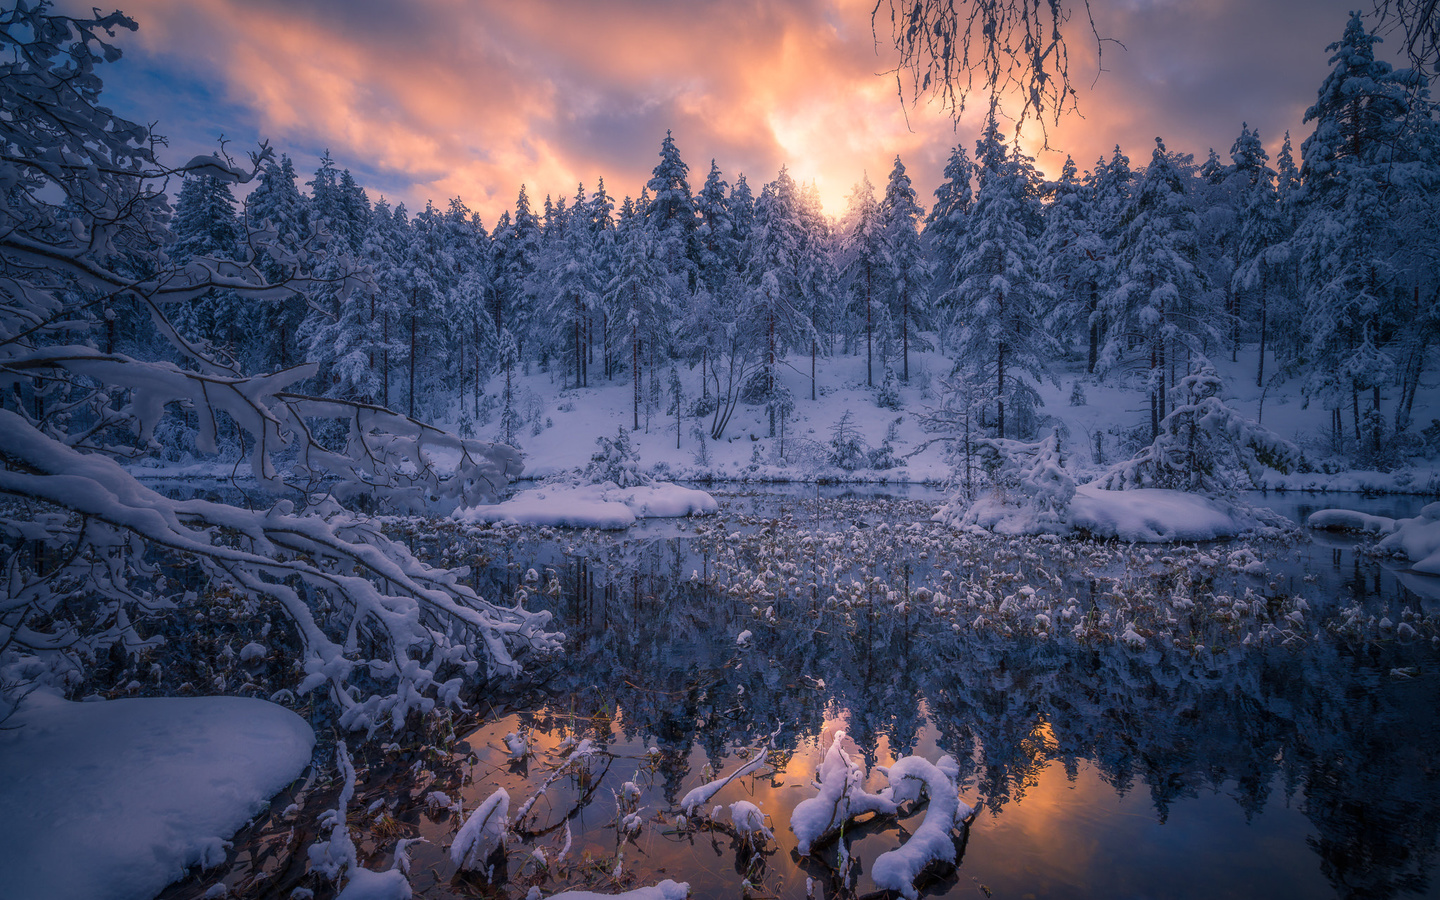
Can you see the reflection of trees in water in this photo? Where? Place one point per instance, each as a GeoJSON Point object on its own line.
{"type": "Point", "coordinates": [1326, 721]}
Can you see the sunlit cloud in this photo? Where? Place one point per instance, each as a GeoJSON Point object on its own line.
{"type": "Point", "coordinates": [434, 99]}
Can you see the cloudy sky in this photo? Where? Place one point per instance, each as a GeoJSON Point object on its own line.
{"type": "Point", "coordinates": [432, 99]}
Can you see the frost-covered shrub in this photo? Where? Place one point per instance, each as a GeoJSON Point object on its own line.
{"type": "Point", "coordinates": [888, 396]}
{"type": "Point", "coordinates": [1030, 489]}
{"type": "Point", "coordinates": [616, 461]}
{"type": "Point", "coordinates": [1077, 393]}
{"type": "Point", "coordinates": [847, 449]}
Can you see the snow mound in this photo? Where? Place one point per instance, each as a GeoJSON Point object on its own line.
{"type": "Point", "coordinates": [367, 885]}
{"type": "Point", "coordinates": [481, 834]}
{"type": "Point", "coordinates": [1157, 515]}
{"type": "Point", "coordinates": [593, 506]}
{"type": "Point", "coordinates": [1418, 540]}
{"type": "Point", "coordinates": [114, 800]}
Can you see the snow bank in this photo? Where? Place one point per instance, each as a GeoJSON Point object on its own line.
{"type": "Point", "coordinates": [665, 890]}
{"type": "Point", "coordinates": [593, 506]}
{"type": "Point", "coordinates": [1418, 540]}
{"type": "Point", "coordinates": [114, 800]}
{"type": "Point", "coordinates": [1154, 515]}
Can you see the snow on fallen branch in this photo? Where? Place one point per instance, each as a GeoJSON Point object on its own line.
{"type": "Point", "coordinates": [911, 778]}
{"type": "Point", "coordinates": [424, 620]}
{"type": "Point", "coordinates": [699, 798]}
{"type": "Point", "coordinates": [842, 797]}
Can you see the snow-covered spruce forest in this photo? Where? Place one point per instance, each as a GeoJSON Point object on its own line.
{"type": "Point", "coordinates": [1146, 268]}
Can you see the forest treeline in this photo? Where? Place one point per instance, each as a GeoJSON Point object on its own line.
{"type": "Point", "coordinates": [1136, 269]}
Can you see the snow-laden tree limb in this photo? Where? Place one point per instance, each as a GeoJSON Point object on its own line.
{"type": "Point", "coordinates": [90, 555]}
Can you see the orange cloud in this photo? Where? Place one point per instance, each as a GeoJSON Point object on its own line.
{"type": "Point", "coordinates": [439, 98]}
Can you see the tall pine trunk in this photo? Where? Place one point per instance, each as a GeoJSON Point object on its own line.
{"type": "Point", "coordinates": [635, 365]}
{"type": "Point", "coordinates": [869, 356]}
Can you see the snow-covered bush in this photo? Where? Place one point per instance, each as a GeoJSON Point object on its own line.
{"type": "Point", "coordinates": [888, 395]}
{"type": "Point", "coordinates": [1204, 446]}
{"type": "Point", "coordinates": [84, 236]}
{"type": "Point", "coordinates": [847, 449]}
{"type": "Point", "coordinates": [1030, 489]}
{"type": "Point", "coordinates": [616, 461]}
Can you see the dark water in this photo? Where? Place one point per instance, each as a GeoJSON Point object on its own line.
{"type": "Point", "coordinates": [1228, 720]}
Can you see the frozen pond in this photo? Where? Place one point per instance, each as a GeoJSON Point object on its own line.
{"type": "Point", "coordinates": [1237, 719]}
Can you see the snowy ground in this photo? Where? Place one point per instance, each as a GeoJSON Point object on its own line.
{"type": "Point", "coordinates": [113, 800]}
{"type": "Point", "coordinates": [570, 419]}
{"type": "Point", "coordinates": [562, 424]}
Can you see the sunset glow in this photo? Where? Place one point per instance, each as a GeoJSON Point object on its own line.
{"type": "Point", "coordinates": [437, 99]}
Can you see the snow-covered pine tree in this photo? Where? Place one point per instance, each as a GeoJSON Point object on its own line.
{"type": "Point", "coordinates": [863, 255]}
{"type": "Point", "coordinates": [671, 221]}
{"type": "Point", "coordinates": [573, 289]}
{"type": "Point", "coordinates": [944, 231]}
{"type": "Point", "coordinates": [507, 361]}
{"type": "Point", "coordinates": [1075, 260]}
{"type": "Point", "coordinates": [1262, 273]}
{"type": "Point", "coordinates": [998, 281]}
{"type": "Point", "coordinates": [775, 250]}
{"type": "Point", "coordinates": [636, 300]}
{"type": "Point", "coordinates": [816, 277]}
{"type": "Point", "coordinates": [206, 224]}
{"type": "Point", "coordinates": [1344, 237]}
{"type": "Point", "coordinates": [717, 247]}
{"type": "Point", "coordinates": [1156, 307]}
{"type": "Point", "coordinates": [273, 329]}
{"type": "Point", "coordinates": [907, 273]}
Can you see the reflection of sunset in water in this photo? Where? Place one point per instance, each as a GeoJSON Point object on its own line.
{"type": "Point", "coordinates": [1059, 836]}
{"type": "Point", "coordinates": [1246, 772]}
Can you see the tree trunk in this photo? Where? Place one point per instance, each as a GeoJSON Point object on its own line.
{"type": "Point", "coordinates": [869, 356]}
{"type": "Point", "coordinates": [1264, 329]}
{"type": "Point", "coordinates": [635, 354]}
{"type": "Point", "coordinates": [1093, 317]}
{"type": "Point", "coordinates": [413, 344]}
{"type": "Point", "coordinates": [905, 333]}
{"type": "Point", "coordinates": [385, 361]}
{"type": "Point", "coordinates": [1000, 391]}
{"type": "Point", "coordinates": [814, 350]}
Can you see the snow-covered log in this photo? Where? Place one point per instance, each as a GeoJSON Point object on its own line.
{"type": "Point", "coordinates": [911, 778]}
{"type": "Point", "coordinates": [841, 798]}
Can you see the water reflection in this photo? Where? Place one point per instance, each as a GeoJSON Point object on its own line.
{"type": "Point", "coordinates": [1240, 754]}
